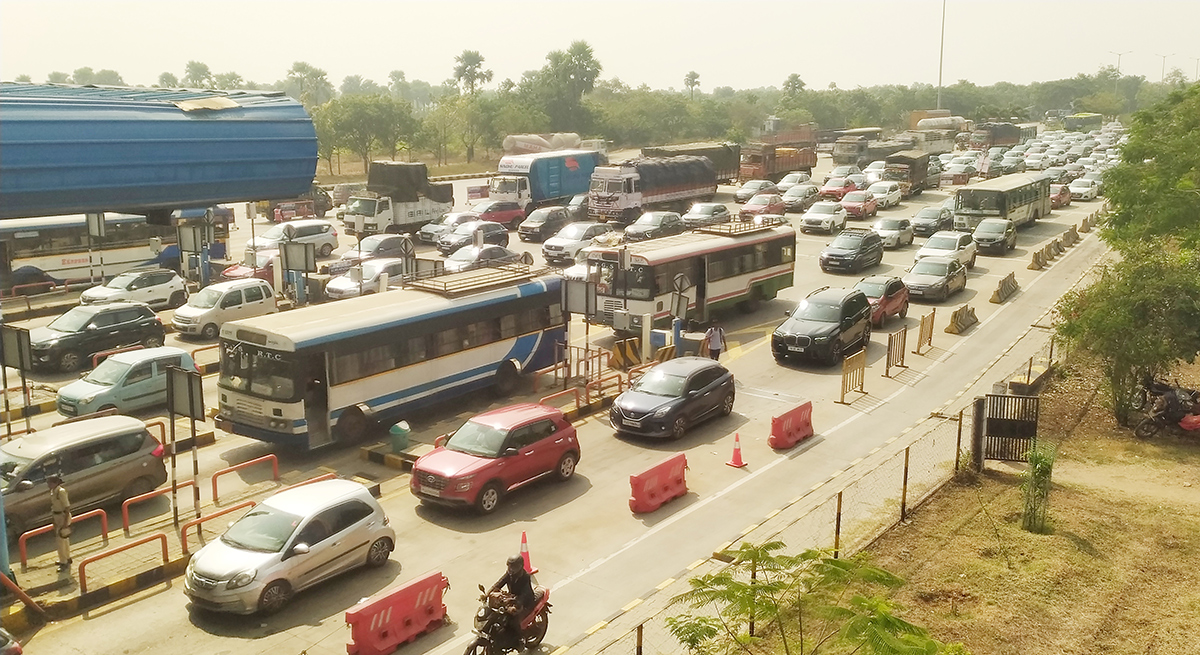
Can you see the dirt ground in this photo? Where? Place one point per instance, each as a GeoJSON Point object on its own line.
{"type": "Point", "coordinates": [1119, 570]}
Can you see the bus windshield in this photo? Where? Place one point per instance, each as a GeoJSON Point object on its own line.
{"type": "Point", "coordinates": [987, 202]}
{"type": "Point", "coordinates": [257, 371]}
{"type": "Point", "coordinates": [636, 283]}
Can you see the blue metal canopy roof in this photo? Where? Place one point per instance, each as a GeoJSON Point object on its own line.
{"type": "Point", "coordinates": [70, 149]}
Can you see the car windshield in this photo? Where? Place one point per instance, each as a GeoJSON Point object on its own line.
{"type": "Point", "coordinates": [942, 243]}
{"type": "Point", "coordinates": [658, 383]}
{"type": "Point", "coordinates": [856, 196]}
{"type": "Point", "coordinates": [466, 229]}
{"type": "Point", "coordinates": [875, 166]}
{"type": "Point", "coordinates": [798, 191]}
{"type": "Point", "coordinates": [836, 182]}
{"type": "Point", "coordinates": [72, 321]}
{"type": "Point", "coordinates": [813, 311]}
{"type": "Point", "coordinates": [477, 439]}
{"type": "Point", "coordinates": [792, 178]}
{"type": "Point", "coordinates": [879, 189]}
{"type": "Point", "coordinates": [847, 241]}
{"type": "Point", "coordinates": [482, 207]}
{"type": "Point", "coordinates": [275, 233]}
{"type": "Point", "coordinates": [108, 373]}
{"type": "Point", "coordinates": [573, 232]}
{"type": "Point", "coordinates": [889, 224]}
{"type": "Point", "coordinates": [824, 208]}
{"type": "Point", "coordinates": [754, 185]}
{"type": "Point", "coordinates": [926, 267]}
{"type": "Point", "coordinates": [269, 374]}
{"type": "Point", "coordinates": [990, 228]}
{"type": "Point", "coordinates": [368, 244]}
{"type": "Point", "coordinates": [464, 255]}
{"type": "Point", "coordinates": [606, 186]}
{"type": "Point", "coordinates": [11, 465]}
{"type": "Point", "coordinates": [649, 219]}
{"type": "Point", "coordinates": [538, 217]}
{"type": "Point", "coordinates": [871, 288]}
{"type": "Point", "coordinates": [760, 199]}
{"type": "Point", "coordinates": [702, 210]}
{"type": "Point", "coordinates": [122, 281]}
{"type": "Point", "coordinates": [206, 299]}
{"type": "Point", "coordinates": [263, 529]}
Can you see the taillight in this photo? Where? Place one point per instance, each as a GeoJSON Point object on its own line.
{"type": "Point", "coordinates": [158, 451]}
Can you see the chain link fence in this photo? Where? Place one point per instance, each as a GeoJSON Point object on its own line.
{"type": "Point", "coordinates": [845, 521]}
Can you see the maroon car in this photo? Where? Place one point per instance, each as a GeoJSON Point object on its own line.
{"type": "Point", "coordinates": [860, 204]}
{"type": "Point", "coordinates": [494, 453]}
{"type": "Point", "coordinates": [763, 203]}
{"type": "Point", "coordinates": [837, 188]}
{"type": "Point", "coordinates": [1060, 196]}
{"type": "Point", "coordinates": [499, 211]}
{"type": "Point", "coordinates": [888, 296]}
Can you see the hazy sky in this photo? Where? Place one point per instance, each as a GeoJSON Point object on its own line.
{"type": "Point", "coordinates": [656, 42]}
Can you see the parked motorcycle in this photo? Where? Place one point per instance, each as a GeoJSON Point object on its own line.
{"type": "Point", "coordinates": [1176, 407]}
{"type": "Point", "coordinates": [492, 623]}
{"type": "Point", "coordinates": [1155, 388]}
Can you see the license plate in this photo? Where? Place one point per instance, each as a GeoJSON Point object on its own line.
{"type": "Point", "coordinates": [430, 491]}
{"type": "Point", "coordinates": [632, 423]}
{"type": "Point", "coordinates": [796, 349]}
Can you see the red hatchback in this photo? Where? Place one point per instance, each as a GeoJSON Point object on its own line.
{"type": "Point", "coordinates": [494, 453]}
{"type": "Point", "coordinates": [497, 211]}
{"type": "Point", "coordinates": [763, 203]}
{"type": "Point", "coordinates": [888, 297]}
{"type": "Point", "coordinates": [837, 188]}
{"type": "Point", "coordinates": [860, 204]}
{"type": "Point", "coordinates": [1060, 196]}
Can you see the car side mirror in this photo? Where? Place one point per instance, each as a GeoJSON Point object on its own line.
{"type": "Point", "coordinates": [787, 312]}
{"type": "Point", "coordinates": [24, 485]}
{"type": "Point", "coordinates": [509, 452]}
{"type": "Point", "coordinates": [441, 441]}
{"type": "Point", "coordinates": [692, 393]}
{"type": "Point", "coordinates": [300, 549]}
{"type": "Point", "coordinates": [92, 327]}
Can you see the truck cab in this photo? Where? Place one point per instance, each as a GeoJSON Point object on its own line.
{"type": "Point", "coordinates": [380, 214]}
{"type": "Point", "coordinates": [510, 188]}
{"type": "Point", "coordinates": [614, 193]}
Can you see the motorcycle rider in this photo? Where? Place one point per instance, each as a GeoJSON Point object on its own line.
{"type": "Point", "coordinates": [520, 585]}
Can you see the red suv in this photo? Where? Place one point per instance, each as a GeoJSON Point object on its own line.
{"type": "Point", "coordinates": [837, 187]}
{"type": "Point", "coordinates": [494, 453]}
{"type": "Point", "coordinates": [888, 297]}
{"type": "Point", "coordinates": [498, 211]}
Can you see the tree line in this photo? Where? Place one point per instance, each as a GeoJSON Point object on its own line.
{"type": "Point", "coordinates": [466, 113]}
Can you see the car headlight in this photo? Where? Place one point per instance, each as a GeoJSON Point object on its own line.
{"type": "Point", "coordinates": [88, 400]}
{"type": "Point", "coordinates": [939, 283]}
{"type": "Point", "coordinates": [464, 484]}
{"type": "Point", "coordinates": [662, 411]}
{"type": "Point", "coordinates": [822, 339]}
{"type": "Point", "coordinates": [242, 579]}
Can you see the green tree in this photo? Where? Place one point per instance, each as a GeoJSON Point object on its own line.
{"type": "Point", "coordinates": [228, 80]}
{"type": "Point", "coordinates": [1155, 189]}
{"type": "Point", "coordinates": [690, 82]}
{"type": "Point", "coordinates": [362, 122]}
{"type": "Point", "coordinates": [58, 77]}
{"type": "Point", "coordinates": [439, 126]}
{"type": "Point", "coordinates": [563, 81]}
{"type": "Point", "coordinates": [197, 75]}
{"type": "Point", "coordinates": [470, 73]}
{"type": "Point", "coordinates": [1140, 317]}
{"type": "Point", "coordinates": [23, 79]}
{"type": "Point", "coordinates": [397, 126]}
{"type": "Point", "coordinates": [325, 121]}
{"type": "Point", "coordinates": [308, 84]}
{"type": "Point", "coordinates": [793, 86]}
{"type": "Point", "coordinates": [83, 75]}
{"type": "Point", "coordinates": [810, 603]}
{"type": "Point", "coordinates": [109, 77]}
{"type": "Point", "coordinates": [168, 80]}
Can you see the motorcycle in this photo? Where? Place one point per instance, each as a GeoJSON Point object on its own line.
{"type": "Point", "coordinates": [1176, 407]}
{"type": "Point", "coordinates": [492, 623]}
{"type": "Point", "coordinates": [1154, 388]}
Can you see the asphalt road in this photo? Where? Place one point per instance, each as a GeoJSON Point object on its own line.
{"type": "Point", "coordinates": [589, 548]}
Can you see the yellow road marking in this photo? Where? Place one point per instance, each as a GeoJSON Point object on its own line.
{"type": "Point", "coordinates": [631, 604]}
{"type": "Point", "coordinates": [596, 628]}
{"type": "Point", "coordinates": [667, 583]}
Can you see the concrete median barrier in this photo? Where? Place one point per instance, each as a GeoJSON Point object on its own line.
{"type": "Point", "coordinates": [961, 320]}
{"type": "Point", "coordinates": [1037, 261]}
{"type": "Point", "coordinates": [1007, 287]}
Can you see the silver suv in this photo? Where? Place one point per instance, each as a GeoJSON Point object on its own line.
{"type": "Point", "coordinates": [318, 232]}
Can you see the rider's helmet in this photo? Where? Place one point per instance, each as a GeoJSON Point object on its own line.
{"type": "Point", "coordinates": [516, 562]}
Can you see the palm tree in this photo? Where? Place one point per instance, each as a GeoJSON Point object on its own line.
{"type": "Point", "coordinates": [691, 81]}
{"type": "Point", "coordinates": [469, 72]}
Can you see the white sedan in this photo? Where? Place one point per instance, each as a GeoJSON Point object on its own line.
{"type": "Point", "coordinates": [1037, 161]}
{"type": "Point", "coordinates": [886, 193]}
{"type": "Point", "coordinates": [1082, 189]}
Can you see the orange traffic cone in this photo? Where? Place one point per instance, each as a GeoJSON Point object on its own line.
{"type": "Point", "coordinates": [525, 554]}
{"type": "Point", "coordinates": [736, 462]}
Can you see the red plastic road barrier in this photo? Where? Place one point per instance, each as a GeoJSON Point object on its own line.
{"type": "Point", "coordinates": [658, 484]}
{"type": "Point", "coordinates": [381, 623]}
{"type": "Point", "coordinates": [237, 467]}
{"type": "Point", "coordinates": [791, 427]}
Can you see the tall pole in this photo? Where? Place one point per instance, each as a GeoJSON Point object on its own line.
{"type": "Point", "coordinates": [1197, 60]}
{"type": "Point", "coordinates": [1163, 75]}
{"type": "Point", "coordinates": [1119, 55]}
{"type": "Point", "coordinates": [941, 55]}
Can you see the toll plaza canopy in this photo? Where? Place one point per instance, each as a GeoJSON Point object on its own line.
{"type": "Point", "coordinates": [78, 149]}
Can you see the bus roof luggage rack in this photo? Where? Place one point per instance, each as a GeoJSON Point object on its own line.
{"type": "Point", "coordinates": [736, 227]}
{"type": "Point", "coordinates": [475, 280]}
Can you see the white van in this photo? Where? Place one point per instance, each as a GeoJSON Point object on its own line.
{"type": "Point", "coordinates": [213, 306]}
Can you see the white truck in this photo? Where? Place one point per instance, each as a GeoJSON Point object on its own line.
{"type": "Point", "coordinates": [399, 198]}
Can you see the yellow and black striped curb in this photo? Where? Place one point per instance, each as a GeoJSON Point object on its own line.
{"type": "Point", "coordinates": [44, 407]}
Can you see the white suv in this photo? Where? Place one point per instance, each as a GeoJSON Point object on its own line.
{"type": "Point", "coordinates": [954, 245]}
{"type": "Point", "coordinates": [156, 287]}
{"type": "Point", "coordinates": [562, 247]}
{"type": "Point", "coordinates": [318, 232]}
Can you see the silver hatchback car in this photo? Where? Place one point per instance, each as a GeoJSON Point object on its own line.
{"type": "Point", "coordinates": [289, 542]}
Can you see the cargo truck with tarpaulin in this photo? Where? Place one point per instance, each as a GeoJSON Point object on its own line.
{"type": "Point", "coordinates": [622, 192]}
{"type": "Point", "coordinates": [399, 198]}
{"type": "Point", "coordinates": [543, 178]}
{"type": "Point", "coordinates": [72, 149]}
{"type": "Point", "coordinates": [910, 169]}
{"type": "Point", "coordinates": [989, 135]}
{"type": "Point", "coordinates": [725, 157]}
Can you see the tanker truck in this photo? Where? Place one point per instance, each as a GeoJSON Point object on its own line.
{"type": "Point", "coordinates": [399, 198]}
{"type": "Point", "coordinates": [726, 157]}
{"type": "Point", "coordinates": [622, 192]}
{"type": "Point", "coordinates": [543, 178]}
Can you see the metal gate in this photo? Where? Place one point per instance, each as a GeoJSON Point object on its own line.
{"type": "Point", "coordinates": [1010, 427]}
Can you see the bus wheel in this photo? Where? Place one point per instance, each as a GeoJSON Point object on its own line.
{"type": "Point", "coordinates": [750, 304]}
{"type": "Point", "coordinates": [352, 425]}
{"type": "Point", "coordinates": [506, 379]}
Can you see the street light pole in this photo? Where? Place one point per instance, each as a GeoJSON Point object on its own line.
{"type": "Point", "coordinates": [1119, 55]}
{"type": "Point", "coordinates": [941, 55]}
{"type": "Point", "coordinates": [1197, 75]}
{"type": "Point", "coordinates": [1163, 75]}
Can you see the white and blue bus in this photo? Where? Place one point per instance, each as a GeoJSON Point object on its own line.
{"type": "Point", "coordinates": [318, 375]}
{"type": "Point", "coordinates": [58, 248]}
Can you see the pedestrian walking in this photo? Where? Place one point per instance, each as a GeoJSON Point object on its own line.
{"type": "Point", "coordinates": [60, 511]}
{"type": "Point", "coordinates": [715, 339]}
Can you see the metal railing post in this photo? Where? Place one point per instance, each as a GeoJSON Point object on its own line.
{"type": "Point", "coordinates": [837, 528]}
{"type": "Point", "coordinates": [904, 488]}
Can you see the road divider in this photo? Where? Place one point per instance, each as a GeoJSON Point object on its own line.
{"type": "Point", "coordinates": [1086, 224]}
{"type": "Point", "coordinates": [854, 370]}
{"type": "Point", "coordinates": [791, 427]}
{"type": "Point", "coordinates": [925, 332]}
{"type": "Point", "coordinates": [1007, 287]}
{"type": "Point", "coordinates": [961, 319]}
{"type": "Point", "coordinates": [626, 353]}
{"type": "Point", "coordinates": [897, 342]}
{"type": "Point", "coordinates": [380, 624]}
{"type": "Point", "coordinates": [1071, 236]}
{"type": "Point", "coordinates": [1037, 261]}
{"type": "Point", "coordinates": [658, 484]}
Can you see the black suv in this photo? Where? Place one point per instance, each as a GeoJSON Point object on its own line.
{"type": "Point", "coordinates": [70, 340]}
{"type": "Point", "coordinates": [543, 223]}
{"type": "Point", "coordinates": [852, 250]}
{"type": "Point", "coordinates": [824, 326]}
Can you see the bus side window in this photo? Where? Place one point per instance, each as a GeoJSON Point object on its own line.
{"type": "Point", "coordinates": [508, 326]}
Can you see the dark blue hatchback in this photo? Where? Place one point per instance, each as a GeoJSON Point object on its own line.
{"type": "Point", "coordinates": [672, 397]}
